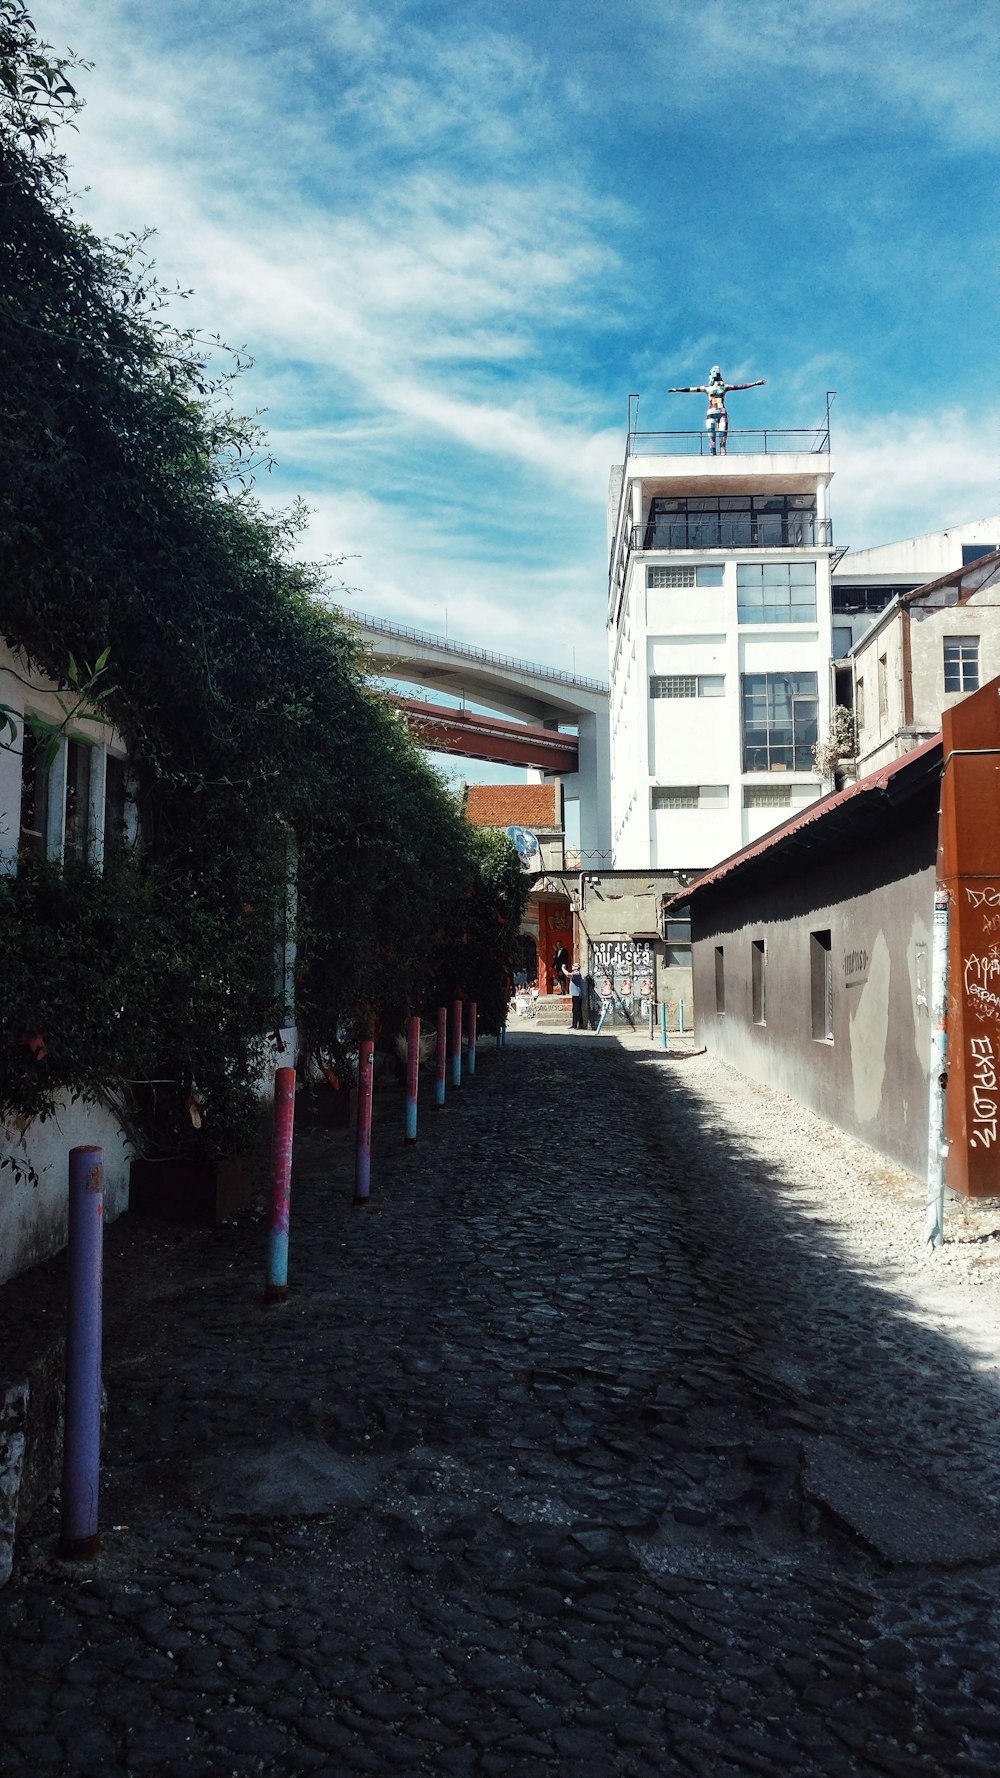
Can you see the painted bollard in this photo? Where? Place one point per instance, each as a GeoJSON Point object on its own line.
{"type": "Point", "coordinates": [363, 1146]}
{"type": "Point", "coordinates": [471, 1028]}
{"type": "Point", "coordinates": [663, 1023]}
{"type": "Point", "coordinates": [412, 1077]}
{"type": "Point", "coordinates": [82, 1437]}
{"type": "Point", "coordinates": [279, 1202]}
{"type": "Point", "coordinates": [441, 1057]}
{"type": "Point", "coordinates": [456, 1044]}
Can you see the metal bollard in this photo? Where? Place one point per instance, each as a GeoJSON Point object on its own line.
{"type": "Point", "coordinates": [412, 1076]}
{"type": "Point", "coordinates": [279, 1202]}
{"type": "Point", "coordinates": [663, 1023]}
{"type": "Point", "coordinates": [680, 1015]}
{"type": "Point", "coordinates": [82, 1436]}
{"type": "Point", "coordinates": [456, 1044]}
{"type": "Point", "coordinates": [441, 1056]}
{"type": "Point", "coordinates": [471, 1027]}
{"type": "Point", "coordinates": [363, 1148]}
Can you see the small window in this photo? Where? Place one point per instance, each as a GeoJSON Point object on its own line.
{"type": "Point", "coordinates": [687, 685]}
{"type": "Point", "coordinates": [115, 794]}
{"type": "Point", "coordinates": [758, 965]}
{"type": "Point", "coordinates": [767, 796]}
{"type": "Point", "coordinates": [883, 689]}
{"type": "Point", "coordinates": [842, 639]}
{"type": "Point", "coordinates": [821, 985]}
{"type": "Point", "coordinates": [711, 575]}
{"type": "Point", "coordinates": [76, 829]}
{"type": "Point", "coordinates": [670, 577]}
{"type": "Point", "coordinates": [961, 663]}
{"type": "Point", "coordinates": [34, 795]}
{"type": "Point", "coordinates": [720, 979]}
{"type": "Point", "coordinates": [690, 796]}
{"type": "Point", "coordinates": [859, 704]}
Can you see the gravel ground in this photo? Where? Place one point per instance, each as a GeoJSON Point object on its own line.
{"type": "Point", "coordinates": [625, 1434]}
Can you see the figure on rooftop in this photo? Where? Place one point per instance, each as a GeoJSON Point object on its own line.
{"type": "Point", "coordinates": [716, 419]}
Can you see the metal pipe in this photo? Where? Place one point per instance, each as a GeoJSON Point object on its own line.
{"type": "Point", "coordinates": [412, 1076]}
{"type": "Point", "coordinates": [441, 1057]}
{"type": "Point", "coordinates": [937, 1147]}
{"type": "Point", "coordinates": [363, 1143]}
{"type": "Point", "coordinates": [680, 1015]}
{"type": "Point", "coordinates": [456, 1044]}
{"type": "Point", "coordinates": [82, 1436]}
{"type": "Point", "coordinates": [663, 1023]}
{"type": "Point", "coordinates": [470, 1021]}
{"type": "Point", "coordinates": [279, 1202]}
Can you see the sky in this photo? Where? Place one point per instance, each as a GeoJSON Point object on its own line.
{"type": "Point", "coordinates": [454, 239]}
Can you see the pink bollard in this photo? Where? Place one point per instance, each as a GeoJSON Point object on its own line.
{"type": "Point", "coordinates": [412, 1077]}
{"type": "Point", "coordinates": [279, 1203]}
{"type": "Point", "coordinates": [441, 1057]}
{"type": "Point", "coordinates": [363, 1149]}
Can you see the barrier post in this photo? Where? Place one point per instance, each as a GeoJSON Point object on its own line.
{"type": "Point", "coordinates": [456, 1044]}
{"type": "Point", "coordinates": [412, 1076]}
{"type": "Point", "coordinates": [279, 1202]}
{"type": "Point", "coordinates": [82, 1436]}
{"type": "Point", "coordinates": [363, 1142]}
{"type": "Point", "coordinates": [471, 1026]}
{"type": "Point", "coordinates": [441, 1056]}
{"type": "Point", "coordinates": [663, 1023]}
{"type": "Point", "coordinates": [680, 1015]}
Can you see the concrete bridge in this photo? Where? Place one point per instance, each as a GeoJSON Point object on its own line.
{"type": "Point", "coordinates": [540, 696]}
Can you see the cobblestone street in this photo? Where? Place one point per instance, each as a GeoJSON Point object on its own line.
{"type": "Point", "coordinates": [581, 1450]}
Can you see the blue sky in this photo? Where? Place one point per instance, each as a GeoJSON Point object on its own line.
{"type": "Point", "coordinates": [454, 239]}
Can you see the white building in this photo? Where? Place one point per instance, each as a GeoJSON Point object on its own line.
{"type": "Point", "coordinates": [719, 639]}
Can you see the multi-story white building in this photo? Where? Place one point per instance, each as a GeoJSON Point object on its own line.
{"type": "Point", "coordinates": [720, 643]}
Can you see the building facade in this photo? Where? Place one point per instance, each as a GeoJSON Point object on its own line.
{"type": "Point", "coordinates": [719, 622]}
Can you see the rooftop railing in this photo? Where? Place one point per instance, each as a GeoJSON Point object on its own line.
{"type": "Point", "coordinates": [485, 655]}
{"type": "Point", "coordinates": [768, 442]}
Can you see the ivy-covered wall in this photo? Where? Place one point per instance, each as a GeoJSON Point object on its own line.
{"type": "Point", "coordinates": [129, 529]}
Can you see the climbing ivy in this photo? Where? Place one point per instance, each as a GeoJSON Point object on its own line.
{"type": "Point", "coordinates": [130, 536]}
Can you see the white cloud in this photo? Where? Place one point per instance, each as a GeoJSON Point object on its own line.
{"type": "Point", "coordinates": [898, 477]}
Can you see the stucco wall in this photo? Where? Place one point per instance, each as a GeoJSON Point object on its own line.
{"type": "Point", "coordinates": [33, 1211]}
{"type": "Point", "coordinates": [877, 904]}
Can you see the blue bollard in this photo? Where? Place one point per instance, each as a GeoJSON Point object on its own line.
{"type": "Point", "coordinates": [471, 1024]}
{"type": "Point", "coordinates": [663, 1023]}
{"type": "Point", "coordinates": [441, 1057]}
{"type": "Point", "coordinates": [456, 1044]}
{"type": "Point", "coordinates": [82, 1438]}
{"type": "Point", "coordinates": [279, 1200]}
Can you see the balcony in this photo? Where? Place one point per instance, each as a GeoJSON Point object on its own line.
{"type": "Point", "coordinates": [772, 442]}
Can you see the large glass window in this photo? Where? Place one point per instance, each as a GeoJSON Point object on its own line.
{"type": "Point", "coordinates": [776, 592]}
{"type": "Point", "coordinates": [961, 663]}
{"type": "Point", "coordinates": [780, 713]}
{"type": "Point", "coordinates": [731, 521]}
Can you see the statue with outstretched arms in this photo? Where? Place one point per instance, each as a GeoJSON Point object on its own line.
{"type": "Point", "coordinates": [716, 419]}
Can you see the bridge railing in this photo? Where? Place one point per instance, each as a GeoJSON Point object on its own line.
{"type": "Point", "coordinates": [486, 655]}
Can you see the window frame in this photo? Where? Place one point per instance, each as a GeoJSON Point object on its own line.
{"type": "Point", "coordinates": [821, 984]}
{"type": "Point", "coordinates": [803, 711]}
{"type": "Point", "coordinates": [758, 980]}
{"type": "Point", "coordinates": [964, 655]}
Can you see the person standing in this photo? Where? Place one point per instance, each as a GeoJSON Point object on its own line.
{"type": "Point", "coordinates": [717, 418]}
{"type": "Point", "coordinates": [560, 970]}
{"type": "Point", "coordinates": [576, 998]}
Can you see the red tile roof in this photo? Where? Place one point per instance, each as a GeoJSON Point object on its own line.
{"type": "Point", "coordinates": [512, 805]}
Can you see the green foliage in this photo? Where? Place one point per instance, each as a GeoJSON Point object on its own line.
{"type": "Point", "coordinates": [130, 539]}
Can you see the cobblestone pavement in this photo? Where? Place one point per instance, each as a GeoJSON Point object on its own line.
{"type": "Point", "coordinates": [576, 1452]}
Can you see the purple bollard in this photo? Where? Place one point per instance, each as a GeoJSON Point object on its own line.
{"type": "Point", "coordinates": [456, 1044]}
{"type": "Point", "coordinates": [441, 1057]}
{"type": "Point", "coordinates": [412, 1077]}
{"type": "Point", "coordinates": [279, 1203]}
{"type": "Point", "coordinates": [363, 1149]}
{"type": "Point", "coordinates": [82, 1438]}
{"type": "Point", "coordinates": [470, 1022]}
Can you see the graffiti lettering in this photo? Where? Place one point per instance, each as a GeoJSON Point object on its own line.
{"type": "Point", "coordinates": [984, 1102]}
{"type": "Point", "coordinates": [982, 969]}
{"type": "Point", "coordinates": [983, 898]}
{"type": "Point", "coordinates": [985, 1002]}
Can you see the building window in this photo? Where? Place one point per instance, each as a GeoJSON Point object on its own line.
{"type": "Point", "coordinates": [76, 822]}
{"type": "Point", "coordinates": [780, 713]}
{"type": "Point", "coordinates": [777, 796]}
{"type": "Point", "coordinates": [859, 704]}
{"type": "Point", "coordinates": [687, 685]}
{"type": "Point", "coordinates": [758, 965]}
{"type": "Point", "coordinates": [720, 979]}
{"type": "Point", "coordinates": [35, 778]}
{"type": "Point", "coordinates": [973, 552]}
{"type": "Point", "coordinates": [883, 690]}
{"type": "Point", "coordinates": [776, 592]}
{"type": "Point", "coordinates": [848, 600]}
{"type": "Point", "coordinates": [690, 796]}
{"type": "Point", "coordinates": [961, 663]}
{"type": "Point", "coordinates": [821, 985]}
{"type": "Point", "coordinates": [683, 574]}
{"type": "Point", "coordinates": [731, 521]}
{"type": "Point", "coordinates": [677, 953]}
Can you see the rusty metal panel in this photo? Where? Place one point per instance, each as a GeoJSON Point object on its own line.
{"type": "Point", "coordinates": [969, 867]}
